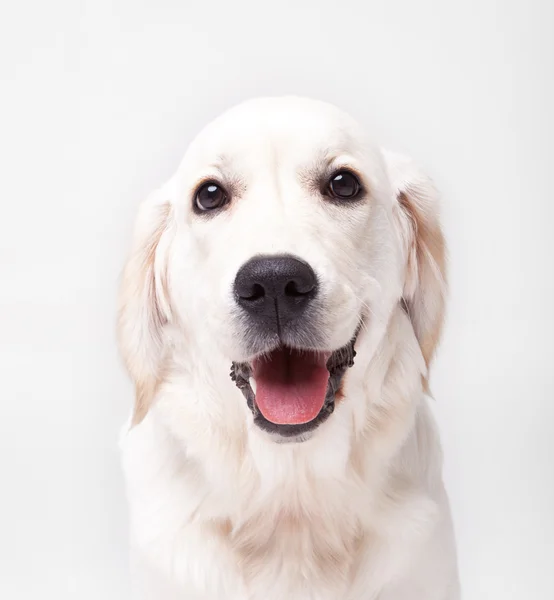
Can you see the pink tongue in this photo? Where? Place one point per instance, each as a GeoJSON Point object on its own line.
{"type": "Point", "coordinates": [291, 386]}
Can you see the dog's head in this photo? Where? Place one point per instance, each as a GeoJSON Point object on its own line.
{"type": "Point", "coordinates": [281, 237]}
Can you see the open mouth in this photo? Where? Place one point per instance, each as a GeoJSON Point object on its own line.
{"type": "Point", "coordinates": [295, 389]}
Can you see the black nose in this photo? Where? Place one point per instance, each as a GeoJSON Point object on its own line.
{"type": "Point", "coordinates": [275, 289]}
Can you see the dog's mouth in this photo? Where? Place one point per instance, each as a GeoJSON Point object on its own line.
{"type": "Point", "coordinates": [295, 389]}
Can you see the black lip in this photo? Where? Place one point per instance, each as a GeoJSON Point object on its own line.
{"type": "Point", "coordinates": [338, 363]}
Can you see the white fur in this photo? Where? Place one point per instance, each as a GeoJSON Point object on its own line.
{"type": "Point", "coordinates": [218, 509]}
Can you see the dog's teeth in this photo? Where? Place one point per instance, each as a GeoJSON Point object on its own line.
{"type": "Point", "coordinates": [252, 382]}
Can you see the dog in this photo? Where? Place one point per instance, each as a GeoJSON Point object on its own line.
{"type": "Point", "coordinates": [279, 310]}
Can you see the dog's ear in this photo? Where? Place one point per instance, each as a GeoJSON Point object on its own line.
{"type": "Point", "coordinates": [143, 301]}
{"type": "Point", "coordinates": [417, 220]}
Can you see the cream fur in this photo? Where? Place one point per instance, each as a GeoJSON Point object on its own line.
{"type": "Point", "coordinates": [219, 510]}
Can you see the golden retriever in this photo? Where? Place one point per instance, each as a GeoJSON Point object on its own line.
{"type": "Point", "coordinates": [279, 310]}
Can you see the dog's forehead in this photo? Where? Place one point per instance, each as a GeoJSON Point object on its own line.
{"type": "Point", "coordinates": [288, 129]}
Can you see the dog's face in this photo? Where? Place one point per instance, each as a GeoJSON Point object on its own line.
{"type": "Point", "coordinates": [279, 238]}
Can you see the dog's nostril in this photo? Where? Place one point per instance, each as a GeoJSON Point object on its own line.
{"type": "Point", "coordinates": [298, 288]}
{"type": "Point", "coordinates": [256, 292]}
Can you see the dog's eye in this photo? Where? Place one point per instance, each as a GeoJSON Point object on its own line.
{"type": "Point", "coordinates": [210, 196]}
{"type": "Point", "coordinates": [343, 185]}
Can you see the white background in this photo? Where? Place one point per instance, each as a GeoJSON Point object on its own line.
{"type": "Point", "coordinates": [98, 102]}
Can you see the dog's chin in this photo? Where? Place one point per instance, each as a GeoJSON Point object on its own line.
{"type": "Point", "coordinates": [292, 391]}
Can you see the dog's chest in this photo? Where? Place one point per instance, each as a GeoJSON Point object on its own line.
{"type": "Point", "coordinates": [297, 526]}
{"type": "Point", "coordinates": [305, 539]}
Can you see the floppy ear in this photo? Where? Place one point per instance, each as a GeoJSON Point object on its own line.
{"type": "Point", "coordinates": [143, 301]}
{"type": "Point", "coordinates": [417, 219]}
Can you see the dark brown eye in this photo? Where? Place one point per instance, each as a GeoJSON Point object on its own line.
{"type": "Point", "coordinates": [343, 185]}
{"type": "Point", "coordinates": [210, 196]}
